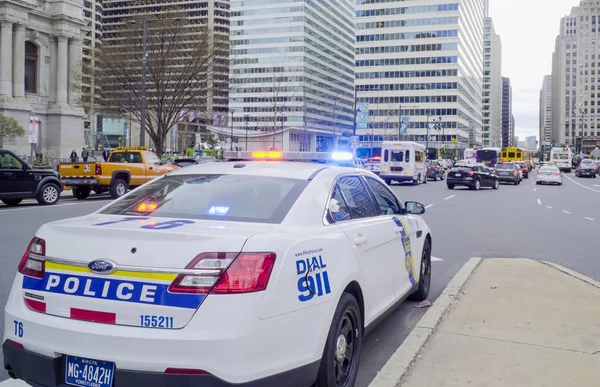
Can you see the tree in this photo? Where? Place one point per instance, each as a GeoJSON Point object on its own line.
{"type": "Point", "coordinates": [180, 58]}
{"type": "Point", "coordinates": [280, 92]}
{"type": "Point", "coordinates": [9, 129]}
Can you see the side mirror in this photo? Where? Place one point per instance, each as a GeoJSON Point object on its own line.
{"type": "Point", "coordinates": [414, 208]}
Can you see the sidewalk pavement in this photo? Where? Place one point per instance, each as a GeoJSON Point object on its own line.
{"type": "Point", "coordinates": [515, 323]}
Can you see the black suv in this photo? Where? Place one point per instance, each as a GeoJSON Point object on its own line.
{"type": "Point", "coordinates": [473, 176]}
{"type": "Point", "coordinates": [20, 181]}
{"type": "Point", "coordinates": [508, 172]}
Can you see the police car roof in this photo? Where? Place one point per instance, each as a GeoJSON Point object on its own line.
{"type": "Point", "coordinates": [289, 169]}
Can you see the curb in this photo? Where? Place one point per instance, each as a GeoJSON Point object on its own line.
{"type": "Point", "coordinates": [397, 365]}
{"type": "Point", "coordinates": [572, 273]}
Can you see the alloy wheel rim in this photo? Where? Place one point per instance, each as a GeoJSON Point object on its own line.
{"type": "Point", "coordinates": [121, 189]}
{"type": "Point", "coordinates": [50, 194]}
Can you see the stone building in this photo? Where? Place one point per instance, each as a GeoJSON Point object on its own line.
{"type": "Point", "coordinates": [40, 68]}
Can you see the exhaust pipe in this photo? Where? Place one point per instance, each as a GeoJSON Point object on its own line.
{"type": "Point", "coordinates": [10, 371]}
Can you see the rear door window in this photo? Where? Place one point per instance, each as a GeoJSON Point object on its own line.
{"type": "Point", "coordinates": [356, 197]}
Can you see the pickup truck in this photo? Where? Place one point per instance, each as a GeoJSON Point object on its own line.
{"type": "Point", "coordinates": [126, 168]}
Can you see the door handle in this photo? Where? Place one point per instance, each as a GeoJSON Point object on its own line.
{"type": "Point", "coordinates": [360, 241]}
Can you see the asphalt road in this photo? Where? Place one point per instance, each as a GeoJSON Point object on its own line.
{"type": "Point", "coordinates": [548, 223]}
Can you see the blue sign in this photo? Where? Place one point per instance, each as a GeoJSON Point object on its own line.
{"type": "Point", "coordinates": [404, 125]}
{"type": "Point", "coordinates": [362, 115]}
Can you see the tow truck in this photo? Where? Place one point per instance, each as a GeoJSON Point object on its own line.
{"type": "Point", "coordinates": [126, 168]}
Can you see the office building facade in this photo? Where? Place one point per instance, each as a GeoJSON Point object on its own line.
{"type": "Point", "coordinates": [210, 14]}
{"type": "Point", "coordinates": [292, 74]}
{"type": "Point", "coordinates": [422, 61]}
{"type": "Point", "coordinates": [508, 120]}
{"type": "Point", "coordinates": [576, 78]}
{"type": "Point", "coordinates": [492, 86]}
{"type": "Point", "coordinates": [545, 124]}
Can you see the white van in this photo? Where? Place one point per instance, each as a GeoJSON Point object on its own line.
{"type": "Point", "coordinates": [561, 157]}
{"type": "Point", "coordinates": [403, 161]}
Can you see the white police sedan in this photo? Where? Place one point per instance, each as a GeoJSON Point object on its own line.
{"type": "Point", "coordinates": [242, 273]}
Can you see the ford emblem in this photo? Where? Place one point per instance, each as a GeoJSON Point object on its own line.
{"type": "Point", "coordinates": [102, 266]}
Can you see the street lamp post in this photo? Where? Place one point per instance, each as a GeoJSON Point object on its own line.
{"type": "Point", "coordinates": [231, 138]}
{"type": "Point", "coordinates": [427, 139]}
{"type": "Point", "coordinates": [246, 119]}
{"type": "Point", "coordinates": [144, 69]}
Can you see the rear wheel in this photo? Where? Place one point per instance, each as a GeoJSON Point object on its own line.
{"type": "Point", "coordinates": [450, 186]}
{"type": "Point", "coordinates": [118, 188]}
{"type": "Point", "coordinates": [81, 192]}
{"type": "Point", "coordinates": [436, 177]}
{"type": "Point", "coordinates": [496, 184]}
{"type": "Point", "coordinates": [339, 365]}
{"type": "Point", "coordinates": [11, 202]}
{"type": "Point", "coordinates": [477, 185]}
{"type": "Point", "coordinates": [424, 275]}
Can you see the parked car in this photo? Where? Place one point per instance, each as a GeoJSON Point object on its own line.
{"type": "Point", "coordinates": [435, 170]}
{"type": "Point", "coordinates": [19, 181]}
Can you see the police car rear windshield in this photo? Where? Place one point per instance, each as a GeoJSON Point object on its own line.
{"type": "Point", "coordinates": [241, 198]}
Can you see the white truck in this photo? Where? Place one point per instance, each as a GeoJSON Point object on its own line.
{"type": "Point", "coordinates": [562, 158]}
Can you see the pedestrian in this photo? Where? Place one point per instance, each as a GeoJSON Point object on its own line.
{"type": "Point", "coordinates": [73, 156]}
{"type": "Point", "coordinates": [84, 155]}
{"type": "Point", "coordinates": [105, 155]}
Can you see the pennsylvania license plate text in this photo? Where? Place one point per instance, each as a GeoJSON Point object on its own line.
{"type": "Point", "coordinates": [88, 372]}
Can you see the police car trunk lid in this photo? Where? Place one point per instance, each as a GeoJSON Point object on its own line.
{"type": "Point", "coordinates": [116, 271]}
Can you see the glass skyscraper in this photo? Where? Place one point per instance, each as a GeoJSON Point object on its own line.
{"type": "Point", "coordinates": [292, 73]}
{"type": "Point", "coordinates": [422, 60]}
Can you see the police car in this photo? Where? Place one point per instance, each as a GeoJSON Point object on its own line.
{"type": "Point", "coordinates": [240, 273]}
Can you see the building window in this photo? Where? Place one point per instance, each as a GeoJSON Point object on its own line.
{"type": "Point", "coordinates": [31, 64]}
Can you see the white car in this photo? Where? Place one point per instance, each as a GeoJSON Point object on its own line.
{"type": "Point", "coordinates": [549, 175]}
{"type": "Point", "coordinates": [233, 273]}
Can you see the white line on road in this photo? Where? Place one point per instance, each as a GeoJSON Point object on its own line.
{"type": "Point", "coordinates": [428, 206]}
{"type": "Point", "coordinates": [596, 185]}
{"type": "Point", "coordinates": [539, 202]}
{"type": "Point", "coordinates": [534, 190]}
{"type": "Point", "coordinates": [581, 185]}
{"type": "Point", "coordinates": [549, 207]}
{"type": "Point", "coordinates": [436, 259]}
{"type": "Point", "coordinates": [585, 217]}
{"type": "Point", "coordinates": [450, 197]}
{"type": "Point", "coordinates": [566, 212]}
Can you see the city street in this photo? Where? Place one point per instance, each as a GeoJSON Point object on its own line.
{"type": "Point", "coordinates": [550, 223]}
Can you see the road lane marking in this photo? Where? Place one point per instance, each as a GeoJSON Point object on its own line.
{"type": "Point", "coordinates": [436, 259]}
{"type": "Point", "coordinates": [585, 217]}
{"type": "Point", "coordinates": [534, 190]}
{"type": "Point", "coordinates": [549, 207]}
{"type": "Point", "coordinates": [596, 185]}
{"type": "Point", "coordinates": [539, 202]}
{"type": "Point", "coordinates": [450, 197]}
{"type": "Point", "coordinates": [39, 206]}
{"type": "Point", "coordinates": [428, 206]}
{"type": "Point", "coordinates": [566, 212]}
{"type": "Point", "coordinates": [581, 185]}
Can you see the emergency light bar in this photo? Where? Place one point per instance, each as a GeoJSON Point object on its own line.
{"type": "Point", "coordinates": [323, 157]}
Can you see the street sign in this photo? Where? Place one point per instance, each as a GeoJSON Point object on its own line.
{"type": "Point", "coordinates": [34, 125]}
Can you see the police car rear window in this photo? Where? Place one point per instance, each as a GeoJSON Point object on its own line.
{"type": "Point", "coordinates": [242, 198]}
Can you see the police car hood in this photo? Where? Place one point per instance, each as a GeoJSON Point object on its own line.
{"type": "Point", "coordinates": [129, 294]}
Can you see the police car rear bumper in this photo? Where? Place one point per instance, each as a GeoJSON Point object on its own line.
{"type": "Point", "coordinates": [42, 371]}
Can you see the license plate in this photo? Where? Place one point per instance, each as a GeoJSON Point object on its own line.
{"type": "Point", "coordinates": [457, 175]}
{"type": "Point", "coordinates": [84, 372]}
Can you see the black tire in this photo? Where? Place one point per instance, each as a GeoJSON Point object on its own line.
{"type": "Point", "coordinates": [11, 202]}
{"type": "Point", "coordinates": [477, 185]}
{"type": "Point", "coordinates": [496, 184]}
{"type": "Point", "coordinates": [81, 192]}
{"type": "Point", "coordinates": [424, 275]}
{"type": "Point", "coordinates": [537, 183]}
{"type": "Point", "coordinates": [450, 186]}
{"type": "Point", "coordinates": [49, 194]}
{"type": "Point", "coordinates": [443, 176]}
{"type": "Point", "coordinates": [118, 188]}
{"type": "Point", "coordinates": [344, 339]}
{"type": "Point", "coordinates": [436, 178]}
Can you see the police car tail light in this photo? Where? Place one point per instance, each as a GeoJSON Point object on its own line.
{"type": "Point", "coordinates": [210, 265]}
{"type": "Point", "coordinates": [30, 266]}
{"type": "Point", "coordinates": [249, 272]}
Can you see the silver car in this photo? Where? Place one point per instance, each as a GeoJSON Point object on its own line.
{"type": "Point", "coordinates": [549, 175]}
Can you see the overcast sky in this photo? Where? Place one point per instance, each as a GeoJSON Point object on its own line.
{"type": "Point", "coordinates": [527, 29]}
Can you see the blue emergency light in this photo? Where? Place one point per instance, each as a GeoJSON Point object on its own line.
{"type": "Point", "coordinates": [341, 158]}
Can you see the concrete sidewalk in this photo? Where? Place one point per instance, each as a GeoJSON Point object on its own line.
{"type": "Point", "coordinates": [516, 322]}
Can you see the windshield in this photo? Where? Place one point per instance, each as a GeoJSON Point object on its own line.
{"type": "Point", "coordinates": [221, 197]}
{"type": "Point", "coordinates": [561, 156]}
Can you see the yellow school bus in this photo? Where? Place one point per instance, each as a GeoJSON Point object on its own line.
{"type": "Point", "coordinates": [516, 154]}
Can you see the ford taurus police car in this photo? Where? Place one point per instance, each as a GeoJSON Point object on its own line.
{"type": "Point", "coordinates": [245, 273]}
